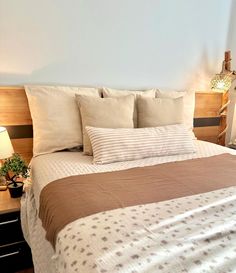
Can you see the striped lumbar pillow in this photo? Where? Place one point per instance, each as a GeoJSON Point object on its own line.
{"type": "Point", "coordinates": [112, 145]}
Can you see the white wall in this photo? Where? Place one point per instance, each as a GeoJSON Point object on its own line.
{"type": "Point", "coordinates": [135, 43]}
{"type": "Point", "coordinates": [231, 37]}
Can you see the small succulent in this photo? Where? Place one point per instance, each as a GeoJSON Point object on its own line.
{"type": "Point", "coordinates": [15, 165]}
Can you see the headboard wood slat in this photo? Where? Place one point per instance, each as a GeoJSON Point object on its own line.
{"type": "Point", "coordinates": [14, 108]}
{"type": "Point", "coordinates": [207, 104]}
{"type": "Point", "coordinates": [208, 133]}
{"type": "Point", "coordinates": [24, 147]}
{"type": "Point", "coordinates": [15, 113]}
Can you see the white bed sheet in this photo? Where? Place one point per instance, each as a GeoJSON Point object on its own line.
{"type": "Point", "coordinates": [47, 168]}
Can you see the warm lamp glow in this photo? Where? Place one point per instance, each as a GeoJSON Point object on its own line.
{"type": "Point", "coordinates": [6, 149]}
{"type": "Point", "coordinates": [221, 82]}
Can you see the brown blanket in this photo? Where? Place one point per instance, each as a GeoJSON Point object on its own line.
{"type": "Point", "coordinates": [70, 198]}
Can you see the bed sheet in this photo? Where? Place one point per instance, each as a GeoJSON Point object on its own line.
{"type": "Point", "coordinates": [50, 167]}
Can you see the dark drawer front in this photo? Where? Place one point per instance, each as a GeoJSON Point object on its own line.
{"type": "Point", "coordinates": [10, 228]}
{"type": "Point", "coordinates": [15, 257]}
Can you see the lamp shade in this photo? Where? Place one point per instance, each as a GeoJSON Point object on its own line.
{"type": "Point", "coordinates": [221, 82]}
{"type": "Point", "coordinates": [6, 149]}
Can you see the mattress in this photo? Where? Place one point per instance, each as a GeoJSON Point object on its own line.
{"type": "Point", "coordinates": [47, 168]}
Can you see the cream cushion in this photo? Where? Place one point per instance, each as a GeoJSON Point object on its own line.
{"type": "Point", "coordinates": [188, 101]}
{"type": "Point", "coordinates": [108, 92]}
{"type": "Point", "coordinates": [56, 118]}
{"type": "Point", "coordinates": [106, 113]}
{"type": "Point", "coordinates": [112, 145]}
{"type": "Point", "coordinates": [154, 112]}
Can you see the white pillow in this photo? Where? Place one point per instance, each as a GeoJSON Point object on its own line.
{"type": "Point", "coordinates": [188, 100]}
{"type": "Point", "coordinates": [56, 117]}
{"type": "Point", "coordinates": [112, 145]}
{"type": "Point", "coordinates": [108, 92]}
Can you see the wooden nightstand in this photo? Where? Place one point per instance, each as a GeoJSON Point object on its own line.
{"type": "Point", "coordinates": [15, 253]}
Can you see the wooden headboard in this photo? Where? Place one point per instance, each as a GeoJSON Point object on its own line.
{"type": "Point", "coordinates": [15, 116]}
{"type": "Point", "coordinates": [207, 122]}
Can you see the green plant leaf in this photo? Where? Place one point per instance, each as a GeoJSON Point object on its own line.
{"type": "Point", "coordinates": [16, 165]}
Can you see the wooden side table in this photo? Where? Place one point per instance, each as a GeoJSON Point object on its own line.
{"type": "Point", "coordinates": [15, 253]}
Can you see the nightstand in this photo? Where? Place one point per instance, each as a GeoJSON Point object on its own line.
{"type": "Point", "coordinates": [15, 253]}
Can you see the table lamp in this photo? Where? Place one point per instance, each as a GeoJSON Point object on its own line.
{"type": "Point", "coordinates": [6, 151]}
{"type": "Point", "coordinates": [222, 82]}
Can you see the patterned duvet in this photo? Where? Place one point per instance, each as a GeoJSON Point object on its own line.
{"type": "Point", "coordinates": [161, 237]}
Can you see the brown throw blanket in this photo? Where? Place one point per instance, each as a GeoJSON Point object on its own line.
{"type": "Point", "coordinates": [70, 198]}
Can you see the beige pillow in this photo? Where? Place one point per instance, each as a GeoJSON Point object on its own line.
{"type": "Point", "coordinates": [56, 118]}
{"type": "Point", "coordinates": [153, 112]}
{"type": "Point", "coordinates": [108, 92]}
{"type": "Point", "coordinates": [112, 145]}
{"type": "Point", "coordinates": [105, 113]}
{"type": "Point", "coordinates": [188, 101]}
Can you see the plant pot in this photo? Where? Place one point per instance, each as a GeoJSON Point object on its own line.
{"type": "Point", "coordinates": [16, 191]}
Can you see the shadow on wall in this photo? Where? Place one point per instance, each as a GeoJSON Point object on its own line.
{"type": "Point", "coordinates": [200, 78]}
{"type": "Point", "coordinates": [8, 77]}
{"type": "Point", "coordinates": [55, 71]}
{"type": "Point", "coordinates": [63, 73]}
{"type": "Point", "coordinates": [197, 78]}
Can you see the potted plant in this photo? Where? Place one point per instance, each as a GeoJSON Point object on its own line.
{"type": "Point", "coordinates": [12, 168]}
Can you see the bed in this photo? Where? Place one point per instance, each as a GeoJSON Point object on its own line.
{"type": "Point", "coordinates": [172, 211]}
{"type": "Point", "coordinates": [54, 166]}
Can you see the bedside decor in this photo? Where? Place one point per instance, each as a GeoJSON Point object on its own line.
{"type": "Point", "coordinates": [6, 150]}
{"type": "Point", "coordinates": [222, 83]}
{"type": "Point", "coordinates": [12, 168]}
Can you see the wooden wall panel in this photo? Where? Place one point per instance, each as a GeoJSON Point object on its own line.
{"type": "Point", "coordinates": [207, 104]}
{"type": "Point", "coordinates": [15, 113]}
{"type": "Point", "coordinates": [14, 108]}
{"type": "Point", "coordinates": [208, 133]}
{"type": "Point", "coordinates": [207, 108]}
{"type": "Point", "coordinates": [24, 147]}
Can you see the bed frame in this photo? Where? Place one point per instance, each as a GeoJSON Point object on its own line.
{"type": "Point", "coordinates": [15, 116]}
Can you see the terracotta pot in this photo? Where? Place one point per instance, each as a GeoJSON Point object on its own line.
{"type": "Point", "coordinates": [16, 191]}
